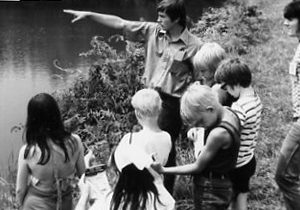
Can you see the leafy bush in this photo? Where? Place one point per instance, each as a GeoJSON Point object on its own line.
{"type": "Point", "coordinates": [235, 26]}
{"type": "Point", "coordinates": [101, 103]}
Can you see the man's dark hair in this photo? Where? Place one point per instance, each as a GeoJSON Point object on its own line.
{"type": "Point", "coordinates": [175, 9]}
{"type": "Point", "coordinates": [292, 10]}
{"type": "Point", "coordinates": [233, 72]}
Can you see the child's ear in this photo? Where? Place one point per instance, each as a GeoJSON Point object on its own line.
{"type": "Point", "coordinates": [210, 108]}
{"type": "Point", "coordinates": [138, 114]}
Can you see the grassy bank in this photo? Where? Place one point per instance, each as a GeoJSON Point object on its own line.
{"type": "Point", "coordinates": [100, 111]}
{"type": "Point", "coordinates": [269, 61]}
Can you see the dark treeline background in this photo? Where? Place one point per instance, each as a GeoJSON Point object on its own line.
{"type": "Point", "coordinates": [194, 7]}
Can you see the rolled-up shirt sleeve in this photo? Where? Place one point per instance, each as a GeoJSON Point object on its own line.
{"type": "Point", "coordinates": [139, 31]}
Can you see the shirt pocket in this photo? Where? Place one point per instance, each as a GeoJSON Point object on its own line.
{"type": "Point", "coordinates": [179, 66]}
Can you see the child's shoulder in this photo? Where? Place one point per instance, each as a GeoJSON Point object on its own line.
{"type": "Point", "coordinates": [126, 137]}
{"type": "Point", "coordinates": [247, 104]}
{"type": "Point", "coordinates": [219, 137]}
{"type": "Point", "coordinates": [218, 132]}
{"type": "Point", "coordinates": [165, 134]}
{"type": "Point", "coordinates": [249, 100]}
{"type": "Point", "coordinates": [166, 137]}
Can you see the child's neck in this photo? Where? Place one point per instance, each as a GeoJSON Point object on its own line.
{"type": "Point", "coordinates": [246, 92]}
{"type": "Point", "coordinates": [150, 124]}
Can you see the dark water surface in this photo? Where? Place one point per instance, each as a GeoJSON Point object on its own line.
{"type": "Point", "coordinates": [34, 34]}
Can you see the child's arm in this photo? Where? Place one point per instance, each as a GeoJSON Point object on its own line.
{"type": "Point", "coordinates": [218, 138]}
{"type": "Point", "coordinates": [111, 21]}
{"type": "Point", "coordinates": [167, 202]}
{"type": "Point", "coordinates": [22, 177]}
{"type": "Point", "coordinates": [80, 164]}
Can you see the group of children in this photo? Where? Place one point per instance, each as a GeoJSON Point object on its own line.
{"type": "Point", "coordinates": [224, 141]}
{"type": "Point", "coordinates": [221, 108]}
{"type": "Point", "coordinates": [224, 137]}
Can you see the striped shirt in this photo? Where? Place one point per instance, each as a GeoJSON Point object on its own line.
{"type": "Point", "coordinates": [249, 109]}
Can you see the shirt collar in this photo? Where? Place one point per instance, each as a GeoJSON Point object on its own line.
{"type": "Point", "coordinates": [184, 36]}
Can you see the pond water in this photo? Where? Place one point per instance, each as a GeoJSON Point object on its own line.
{"type": "Point", "coordinates": [35, 34]}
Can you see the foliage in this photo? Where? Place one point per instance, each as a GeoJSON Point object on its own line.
{"type": "Point", "coordinates": [7, 185]}
{"type": "Point", "coordinates": [101, 103]}
{"type": "Point", "coordinates": [235, 26]}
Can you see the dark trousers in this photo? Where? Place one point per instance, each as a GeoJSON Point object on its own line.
{"type": "Point", "coordinates": [212, 193]}
{"type": "Point", "coordinates": [170, 121]}
{"type": "Point", "coordinates": [288, 168]}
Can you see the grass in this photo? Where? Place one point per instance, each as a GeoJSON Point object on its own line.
{"type": "Point", "coordinates": [269, 61]}
{"type": "Point", "coordinates": [7, 184]}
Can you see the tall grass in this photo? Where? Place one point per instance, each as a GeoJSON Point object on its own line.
{"type": "Point", "coordinates": [7, 184]}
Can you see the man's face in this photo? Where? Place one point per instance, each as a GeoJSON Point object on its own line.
{"type": "Point", "coordinates": [165, 21]}
{"type": "Point", "coordinates": [292, 26]}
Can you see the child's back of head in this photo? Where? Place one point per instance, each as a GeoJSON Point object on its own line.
{"type": "Point", "coordinates": [147, 103]}
{"type": "Point", "coordinates": [197, 98]}
{"type": "Point", "coordinates": [233, 72]}
{"type": "Point", "coordinates": [206, 61]}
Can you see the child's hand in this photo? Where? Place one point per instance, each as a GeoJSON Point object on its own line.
{"type": "Point", "coordinates": [157, 167]}
{"type": "Point", "coordinates": [157, 177]}
{"type": "Point", "coordinates": [89, 158]}
{"type": "Point", "coordinates": [197, 136]}
{"type": "Point", "coordinates": [83, 186]}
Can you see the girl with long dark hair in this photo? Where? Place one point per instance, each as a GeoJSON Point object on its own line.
{"type": "Point", "coordinates": [49, 159]}
{"type": "Point", "coordinates": [138, 186]}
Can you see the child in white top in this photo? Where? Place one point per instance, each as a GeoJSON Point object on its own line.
{"type": "Point", "coordinates": [131, 162]}
{"type": "Point", "coordinates": [147, 106]}
{"type": "Point", "coordinates": [138, 185]}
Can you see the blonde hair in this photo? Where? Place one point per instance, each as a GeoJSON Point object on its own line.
{"type": "Point", "coordinates": [209, 57]}
{"type": "Point", "coordinates": [197, 98]}
{"type": "Point", "coordinates": [147, 102]}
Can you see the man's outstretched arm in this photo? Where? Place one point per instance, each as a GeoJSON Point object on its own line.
{"type": "Point", "coordinates": [111, 21]}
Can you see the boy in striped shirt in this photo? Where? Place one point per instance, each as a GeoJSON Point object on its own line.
{"type": "Point", "coordinates": [235, 77]}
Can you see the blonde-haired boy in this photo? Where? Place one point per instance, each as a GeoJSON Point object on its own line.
{"type": "Point", "coordinates": [206, 62]}
{"type": "Point", "coordinates": [147, 105]}
{"type": "Point", "coordinates": [199, 107]}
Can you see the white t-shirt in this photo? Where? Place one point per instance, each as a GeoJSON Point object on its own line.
{"type": "Point", "coordinates": [158, 144]}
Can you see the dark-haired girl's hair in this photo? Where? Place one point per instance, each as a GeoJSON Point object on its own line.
{"type": "Point", "coordinates": [133, 188]}
{"type": "Point", "coordinates": [44, 123]}
{"type": "Point", "coordinates": [292, 10]}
